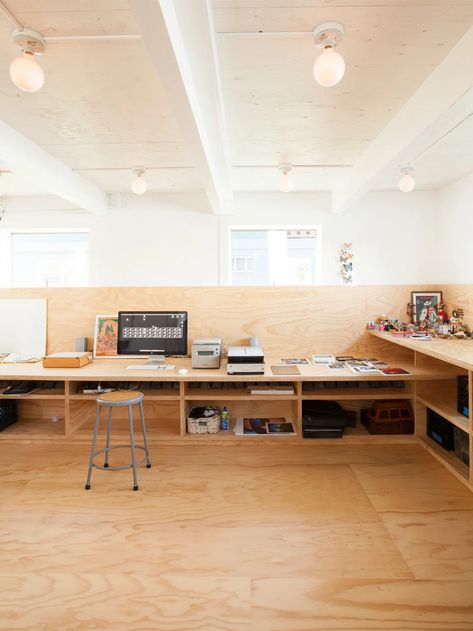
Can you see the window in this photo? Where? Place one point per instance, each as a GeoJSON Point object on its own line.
{"type": "Point", "coordinates": [46, 259]}
{"type": "Point", "coordinates": [274, 256]}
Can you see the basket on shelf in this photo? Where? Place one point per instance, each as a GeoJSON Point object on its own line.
{"type": "Point", "coordinates": [203, 420]}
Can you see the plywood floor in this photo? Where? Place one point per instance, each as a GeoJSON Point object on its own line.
{"type": "Point", "coordinates": [235, 538]}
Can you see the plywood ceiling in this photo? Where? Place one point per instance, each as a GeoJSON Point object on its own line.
{"type": "Point", "coordinates": [103, 109]}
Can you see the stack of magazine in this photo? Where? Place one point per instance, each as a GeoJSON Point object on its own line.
{"type": "Point", "coordinates": [358, 366]}
{"type": "Point", "coordinates": [270, 426]}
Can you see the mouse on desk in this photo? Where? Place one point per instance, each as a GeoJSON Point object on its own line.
{"type": "Point", "coordinates": [183, 371]}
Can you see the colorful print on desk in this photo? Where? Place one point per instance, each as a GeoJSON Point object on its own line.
{"type": "Point", "coordinates": [106, 336]}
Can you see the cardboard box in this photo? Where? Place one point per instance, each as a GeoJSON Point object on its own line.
{"type": "Point", "coordinates": [67, 360]}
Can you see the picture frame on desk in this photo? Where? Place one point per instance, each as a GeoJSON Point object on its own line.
{"type": "Point", "coordinates": [422, 302]}
{"type": "Point", "coordinates": [106, 337]}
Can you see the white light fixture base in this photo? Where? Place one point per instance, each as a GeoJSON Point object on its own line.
{"type": "Point", "coordinates": [405, 169]}
{"type": "Point", "coordinates": [29, 41]}
{"type": "Point", "coordinates": [328, 34]}
{"type": "Point", "coordinates": [285, 167]}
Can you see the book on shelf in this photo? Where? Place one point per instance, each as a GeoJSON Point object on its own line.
{"type": "Point", "coordinates": [271, 389]}
{"type": "Point", "coordinates": [269, 426]}
{"type": "Point", "coordinates": [395, 371]}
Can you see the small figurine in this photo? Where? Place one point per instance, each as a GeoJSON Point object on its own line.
{"type": "Point", "coordinates": [442, 314]}
{"type": "Point", "coordinates": [456, 321]}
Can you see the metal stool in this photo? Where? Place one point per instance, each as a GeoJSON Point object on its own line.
{"type": "Point", "coordinates": [116, 400]}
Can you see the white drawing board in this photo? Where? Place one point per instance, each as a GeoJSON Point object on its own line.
{"type": "Point", "coordinates": [23, 326]}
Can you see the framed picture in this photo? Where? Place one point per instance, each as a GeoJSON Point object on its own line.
{"type": "Point", "coordinates": [105, 336]}
{"type": "Point", "coordinates": [425, 305]}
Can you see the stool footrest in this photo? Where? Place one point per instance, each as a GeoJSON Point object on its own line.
{"type": "Point", "coordinates": [117, 467]}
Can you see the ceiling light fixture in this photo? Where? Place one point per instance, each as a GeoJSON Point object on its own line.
{"type": "Point", "coordinates": [285, 184]}
{"type": "Point", "coordinates": [329, 67]}
{"type": "Point", "coordinates": [138, 184]}
{"type": "Point", "coordinates": [407, 182]}
{"type": "Point", "coordinates": [25, 71]}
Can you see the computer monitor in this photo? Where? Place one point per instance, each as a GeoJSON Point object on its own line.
{"type": "Point", "coordinates": [149, 333]}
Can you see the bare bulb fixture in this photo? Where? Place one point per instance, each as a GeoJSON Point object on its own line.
{"type": "Point", "coordinates": [329, 67]}
{"type": "Point", "coordinates": [25, 71]}
{"type": "Point", "coordinates": [285, 184]}
{"type": "Point", "coordinates": [407, 182]}
{"type": "Point", "coordinates": [138, 184]}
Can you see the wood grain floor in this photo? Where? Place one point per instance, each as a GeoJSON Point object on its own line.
{"type": "Point", "coordinates": [235, 538]}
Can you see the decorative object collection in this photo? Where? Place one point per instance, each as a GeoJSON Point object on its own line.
{"type": "Point", "coordinates": [428, 318]}
{"type": "Point", "coordinates": [345, 258]}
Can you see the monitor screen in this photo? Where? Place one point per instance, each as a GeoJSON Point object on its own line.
{"type": "Point", "coordinates": [152, 333]}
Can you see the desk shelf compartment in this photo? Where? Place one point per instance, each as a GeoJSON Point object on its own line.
{"type": "Point", "coordinates": [441, 396]}
{"type": "Point", "coordinates": [44, 390]}
{"type": "Point", "coordinates": [452, 457]}
{"type": "Point", "coordinates": [162, 419]}
{"type": "Point", "coordinates": [369, 389]}
{"type": "Point", "coordinates": [152, 390]}
{"type": "Point", "coordinates": [240, 391]}
{"type": "Point", "coordinates": [37, 418]}
{"type": "Point", "coordinates": [240, 408]}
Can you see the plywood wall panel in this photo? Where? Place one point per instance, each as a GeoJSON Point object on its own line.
{"type": "Point", "coordinates": [288, 320]}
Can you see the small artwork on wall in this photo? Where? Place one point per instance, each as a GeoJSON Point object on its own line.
{"type": "Point", "coordinates": [345, 259]}
{"type": "Point", "coordinates": [106, 336]}
{"type": "Point", "coordinates": [425, 305]}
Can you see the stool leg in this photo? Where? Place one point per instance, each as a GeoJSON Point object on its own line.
{"type": "Point", "coordinates": [145, 437]}
{"type": "Point", "coordinates": [132, 445]}
{"type": "Point", "coordinates": [107, 445]}
{"type": "Point", "coordinates": [92, 452]}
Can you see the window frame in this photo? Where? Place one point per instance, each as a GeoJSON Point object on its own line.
{"type": "Point", "coordinates": [285, 227]}
{"type": "Point", "coordinates": [6, 250]}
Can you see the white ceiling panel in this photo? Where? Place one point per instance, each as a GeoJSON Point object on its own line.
{"type": "Point", "coordinates": [272, 98]}
{"type": "Point", "coordinates": [103, 109]}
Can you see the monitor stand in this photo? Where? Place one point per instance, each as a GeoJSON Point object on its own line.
{"type": "Point", "coordinates": [156, 359]}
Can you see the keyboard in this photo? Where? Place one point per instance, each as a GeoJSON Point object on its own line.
{"type": "Point", "coordinates": [150, 367]}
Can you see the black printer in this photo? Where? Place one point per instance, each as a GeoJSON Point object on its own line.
{"type": "Point", "coordinates": [324, 419]}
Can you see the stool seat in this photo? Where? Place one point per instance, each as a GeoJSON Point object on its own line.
{"type": "Point", "coordinates": [112, 400]}
{"type": "Point", "coordinates": [117, 398]}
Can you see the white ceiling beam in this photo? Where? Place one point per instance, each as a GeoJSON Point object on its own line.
{"type": "Point", "coordinates": [181, 43]}
{"type": "Point", "coordinates": [435, 108]}
{"type": "Point", "coordinates": [29, 160]}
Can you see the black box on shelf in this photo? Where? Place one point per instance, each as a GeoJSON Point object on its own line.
{"type": "Point", "coordinates": [463, 405]}
{"type": "Point", "coordinates": [461, 442]}
{"type": "Point", "coordinates": [8, 414]}
{"type": "Point", "coordinates": [324, 419]}
{"type": "Point", "coordinates": [440, 430]}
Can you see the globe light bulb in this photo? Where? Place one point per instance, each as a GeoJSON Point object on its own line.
{"type": "Point", "coordinates": [285, 184]}
{"type": "Point", "coordinates": [329, 68]}
{"type": "Point", "coordinates": [407, 183]}
{"type": "Point", "coordinates": [138, 185]}
{"type": "Point", "coordinates": [26, 73]}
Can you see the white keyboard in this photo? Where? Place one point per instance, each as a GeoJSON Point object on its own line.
{"type": "Point", "coordinates": [150, 367]}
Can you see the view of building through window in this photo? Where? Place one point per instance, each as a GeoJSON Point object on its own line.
{"type": "Point", "coordinates": [282, 256]}
{"type": "Point", "coordinates": [49, 259]}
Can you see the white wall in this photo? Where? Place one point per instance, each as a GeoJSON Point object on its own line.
{"type": "Point", "coordinates": [455, 222]}
{"type": "Point", "coordinates": [174, 240]}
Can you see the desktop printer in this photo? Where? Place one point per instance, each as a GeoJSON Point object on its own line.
{"type": "Point", "coordinates": [206, 352]}
{"type": "Point", "coordinates": [245, 360]}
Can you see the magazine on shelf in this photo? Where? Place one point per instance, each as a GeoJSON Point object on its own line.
{"type": "Point", "coordinates": [395, 371]}
{"type": "Point", "coordinates": [269, 426]}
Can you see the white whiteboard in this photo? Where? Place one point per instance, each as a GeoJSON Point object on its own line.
{"type": "Point", "coordinates": [23, 326]}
